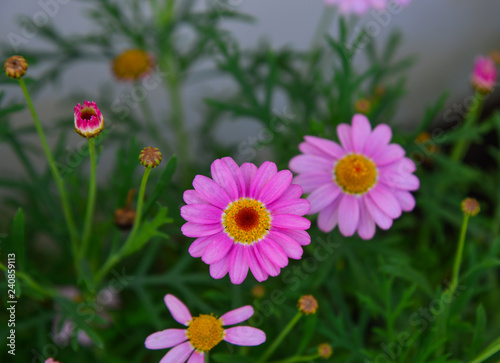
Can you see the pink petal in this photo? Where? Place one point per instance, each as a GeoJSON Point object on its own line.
{"type": "Point", "coordinates": [348, 215]}
{"type": "Point", "coordinates": [361, 130]}
{"type": "Point", "coordinates": [191, 229]}
{"type": "Point", "coordinates": [274, 252]}
{"type": "Point", "coordinates": [220, 269]}
{"type": "Point", "coordinates": [237, 316]}
{"type": "Point", "coordinates": [291, 247]}
{"type": "Point", "coordinates": [179, 311]}
{"type": "Point", "coordinates": [244, 335]}
{"type": "Point", "coordinates": [198, 246]}
{"type": "Point", "coordinates": [265, 263]}
{"type": "Point", "coordinates": [366, 228]}
{"type": "Point", "coordinates": [310, 164]}
{"type": "Point", "coordinates": [211, 191]}
{"type": "Point", "coordinates": [179, 354]}
{"type": "Point", "coordinates": [302, 237]}
{"type": "Point", "coordinates": [166, 339]}
{"type": "Point", "coordinates": [389, 154]}
{"type": "Point", "coordinates": [220, 245]}
{"type": "Point", "coordinates": [311, 181]}
{"type": "Point", "coordinates": [293, 191]}
{"type": "Point", "coordinates": [197, 357]}
{"type": "Point", "coordinates": [223, 176]}
{"type": "Point", "coordinates": [238, 266]}
{"type": "Point", "coordinates": [291, 206]}
{"type": "Point", "coordinates": [257, 270]}
{"type": "Point", "coordinates": [266, 171]}
{"type": "Point", "coordinates": [237, 175]}
{"type": "Point", "coordinates": [385, 200]}
{"type": "Point", "coordinates": [290, 221]}
{"type": "Point", "coordinates": [329, 217]}
{"type": "Point", "coordinates": [275, 187]}
{"type": "Point", "coordinates": [402, 166]}
{"type": "Point", "coordinates": [201, 213]}
{"type": "Point", "coordinates": [344, 134]}
{"type": "Point", "coordinates": [379, 138]}
{"type": "Point", "coordinates": [327, 147]}
{"type": "Point", "coordinates": [191, 196]}
{"type": "Point", "coordinates": [248, 171]}
{"type": "Point", "coordinates": [323, 196]}
{"type": "Point", "coordinates": [405, 199]}
{"type": "Point", "coordinates": [399, 181]}
{"type": "Point", "coordinates": [381, 219]}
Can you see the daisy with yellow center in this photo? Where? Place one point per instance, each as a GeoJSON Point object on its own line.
{"type": "Point", "coordinates": [203, 333]}
{"type": "Point", "coordinates": [245, 218]}
{"type": "Point", "coordinates": [362, 182]}
{"type": "Point", "coordinates": [132, 64]}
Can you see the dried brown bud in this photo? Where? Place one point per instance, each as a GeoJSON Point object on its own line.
{"type": "Point", "coordinates": [258, 291]}
{"type": "Point", "coordinates": [308, 304]}
{"type": "Point", "coordinates": [15, 67]}
{"type": "Point", "coordinates": [124, 218]}
{"type": "Point", "coordinates": [470, 207]}
{"type": "Point", "coordinates": [325, 350]}
{"type": "Point", "coordinates": [150, 157]}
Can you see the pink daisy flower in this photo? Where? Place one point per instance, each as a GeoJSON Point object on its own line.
{"type": "Point", "coordinates": [484, 74]}
{"type": "Point", "coordinates": [51, 360]}
{"type": "Point", "coordinates": [89, 121]}
{"type": "Point", "coordinates": [203, 333]}
{"type": "Point", "coordinates": [361, 183]}
{"type": "Point", "coordinates": [245, 218]}
{"type": "Point", "coordinates": [361, 7]}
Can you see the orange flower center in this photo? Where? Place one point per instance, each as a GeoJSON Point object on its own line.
{"type": "Point", "coordinates": [355, 174]}
{"type": "Point", "coordinates": [246, 220]}
{"type": "Point", "coordinates": [205, 332]}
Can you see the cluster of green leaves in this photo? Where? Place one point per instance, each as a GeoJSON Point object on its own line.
{"type": "Point", "coordinates": [382, 300]}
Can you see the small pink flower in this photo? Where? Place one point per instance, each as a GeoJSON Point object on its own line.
{"type": "Point", "coordinates": [245, 218]}
{"type": "Point", "coordinates": [484, 74]}
{"type": "Point", "coordinates": [89, 121]}
{"type": "Point", "coordinates": [361, 7]}
{"type": "Point", "coordinates": [51, 360]}
{"type": "Point", "coordinates": [360, 183]}
{"type": "Point", "coordinates": [203, 333]}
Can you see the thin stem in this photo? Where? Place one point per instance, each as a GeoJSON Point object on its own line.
{"type": "Point", "coordinates": [90, 200]}
{"type": "Point", "coordinates": [280, 338]}
{"type": "Point", "coordinates": [323, 25]}
{"type": "Point", "coordinates": [493, 348]}
{"type": "Point", "coordinates": [116, 257]}
{"type": "Point", "coordinates": [70, 223]}
{"type": "Point", "coordinates": [462, 145]}
{"type": "Point", "coordinates": [458, 258]}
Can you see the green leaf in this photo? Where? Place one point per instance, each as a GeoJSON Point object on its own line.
{"type": "Point", "coordinates": [17, 239]}
{"type": "Point", "coordinates": [162, 184]}
{"type": "Point", "coordinates": [231, 358]}
{"type": "Point", "coordinates": [479, 330]}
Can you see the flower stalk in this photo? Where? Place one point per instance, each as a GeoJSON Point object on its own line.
{"type": "Point", "coordinates": [90, 200]}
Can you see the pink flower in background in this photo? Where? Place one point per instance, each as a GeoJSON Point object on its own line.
{"type": "Point", "coordinates": [245, 218]}
{"type": "Point", "coordinates": [203, 333]}
{"type": "Point", "coordinates": [51, 360]}
{"type": "Point", "coordinates": [361, 183]}
{"type": "Point", "coordinates": [89, 121]}
{"type": "Point", "coordinates": [484, 74]}
{"type": "Point", "coordinates": [361, 7]}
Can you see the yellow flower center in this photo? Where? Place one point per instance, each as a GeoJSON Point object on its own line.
{"type": "Point", "coordinates": [205, 332]}
{"type": "Point", "coordinates": [87, 113]}
{"type": "Point", "coordinates": [132, 64]}
{"type": "Point", "coordinates": [355, 174]}
{"type": "Point", "coordinates": [246, 220]}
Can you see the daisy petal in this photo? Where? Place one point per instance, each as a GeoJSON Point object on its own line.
{"type": "Point", "coordinates": [191, 196]}
{"type": "Point", "coordinates": [348, 215]}
{"type": "Point", "coordinates": [291, 206]}
{"type": "Point", "coordinates": [166, 339]}
{"type": "Point", "coordinates": [274, 252]}
{"type": "Point", "coordinates": [382, 219]}
{"type": "Point", "coordinates": [211, 191]}
{"type": "Point", "coordinates": [266, 171]}
{"type": "Point", "coordinates": [386, 201]}
{"type": "Point", "coordinates": [258, 272]}
{"type": "Point", "coordinates": [197, 357]}
{"type": "Point", "coordinates": [310, 164]}
{"type": "Point", "coordinates": [293, 192]}
{"type": "Point", "coordinates": [290, 221]}
{"type": "Point", "coordinates": [178, 354]}
{"type": "Point", "coordinates": [245, 335]}
{"type": "Point", "coordinates": [238, 266]}
{"type": "Point", "coordinates": [329, 217]}
{"type": "Point", "coordinates": [366, 229]}
{"type": "Point", "coordinates": [198, 246]}
{"type": "Point", "coordinates": [237, 175]}
{"type": "Point", "coordinates": [237, 316]}
{"type": "Point", "coordinates": [223, 176]}
{"type": "Point", "coordinates": [311, 181]}
{"type": "Point", "coordinates": [191, 229]}
{"type": "Point", "coordinates": [322, 197]}
{"type": "Point", "coordinates": [302, 237]}
{"type": "Point", "coordinates": [179, 311]}
{"type": "Point", "coordinates": [328, 147]}
{"type": "Point", "coordinates": [380, 137]}
{"type": "Point", "coordinates": [361, 130]}
{"type": "Point", "coordinates": [248, 171]}
{"type": "Point", "coordinates": [220, 269]}
{"type": "Point", "coordinates": [291, 247]}
{"type": "Point", "coordinates": [389, 154]}
{"type": "Point", "coordinates": [405, 199]}
{"type": "Point", "coordinates": [220, 245]}
{"type": "Point", "coordinates": [344, 134]}
{"type": "Point", "coordinates": [275, 187]}
{"type": "Point", "coordinates": [266, 264]}
{"type": "Point", "coordinates": [201, 213]}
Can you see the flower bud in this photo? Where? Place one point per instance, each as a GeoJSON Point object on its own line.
{"type": "Point", "coordinates": [308, 304]}
{"type": "Point", "coordinates": [132, 65]}
{"type": "Point", "coordinates": [150, 157]}
{"type": "Point", "coordinates": [325, 350]}
{"type": "Point", "coordinates": [89, 121]}
{"type": "Point", "coordinates": [484, 75]}
{"type": "Point", "coordinates": [470, 207]}
{"type": "Point", "coordinates": [15, 67]}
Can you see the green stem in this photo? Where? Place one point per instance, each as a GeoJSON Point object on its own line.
{"type": "Point", "coordinates": [70, 223]}
{"type": "Point", "coordinates": [458, 258]}
{"type": "Point", "coordinates": [280, 338]}
{"type": "Point", "coordinates": [493, 348]}
{"type": "Point", "coordinates": [460, 149]}
{"type": "Point", "coordinates": [323, 25]}
{"type": "Point", "coordinates": [43, 290]}
{"type": "Point", "coordinates": [90, 200]}
{"type": "Point", "coordinates": [116, 257]}
{"type": "Point", "coordinates": [305, 358]}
